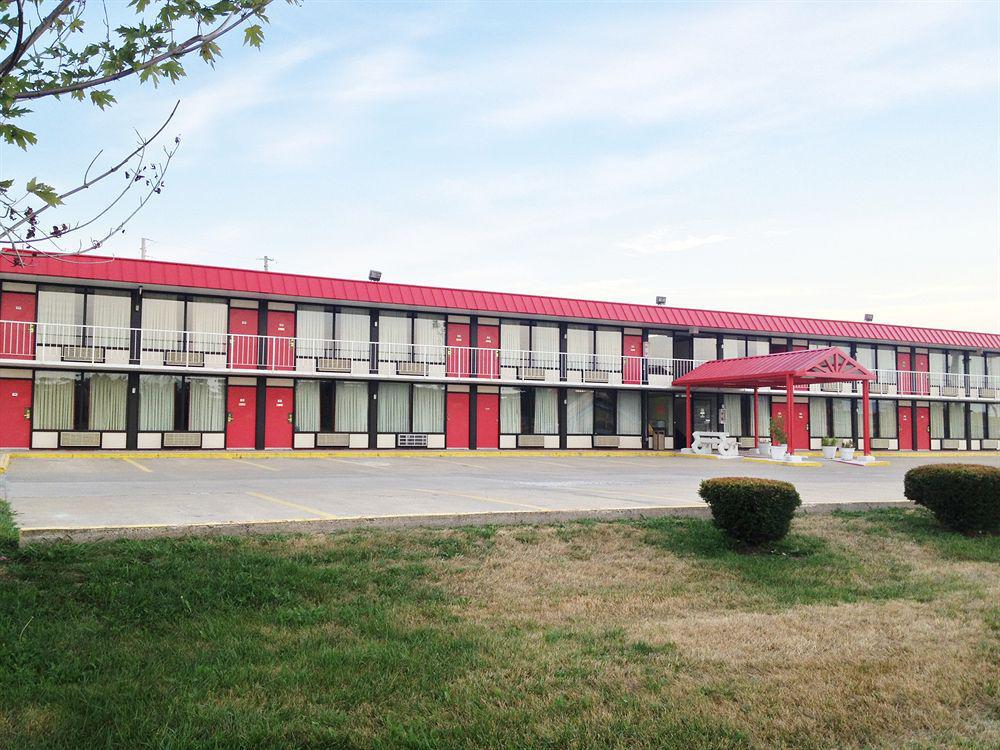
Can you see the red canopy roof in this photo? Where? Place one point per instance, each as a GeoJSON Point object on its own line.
{"type": "Point", "coordinates": [830, 365]}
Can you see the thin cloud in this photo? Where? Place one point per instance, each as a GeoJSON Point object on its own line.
{"type": "Point", "coordinates": [665, 241]}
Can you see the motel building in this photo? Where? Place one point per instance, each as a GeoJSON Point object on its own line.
{"type": "Point", "coordinates": [101, 353]}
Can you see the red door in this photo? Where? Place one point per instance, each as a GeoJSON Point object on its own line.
{"type": "Point", "coordinates": [488, 420]}
{"type": "Point", "coordinates": [923, 427]}
{"type": "Point", "coordinates": [457, 428]}
{"type": "Point", "coordinates": [278, 408]}
{"type": "Point", "coordinates": [798, 427]}
{"type": "Point", "coordinates": [17, 325]}
{"type": "Point", "coordinates": [459, 364]}
{"type": "Point", "coordinates": [905, 428]}
{"type": "Point", "coordinates": [632, 359]}
{"type": "Point", "coordinates": [241, 427]}
{"type": "Point", "coordinates": [243, 339]}
{"type": "Point", "coordinates": [281, 340]}
{"type": "Point", "coordinates": [922, 381]}
{"type": "Point", "coordinates": [903, 364]}
{"type": "Point", "coordinates": [15, 413]}
{"type": "Point", "coordinates": [488, 344]}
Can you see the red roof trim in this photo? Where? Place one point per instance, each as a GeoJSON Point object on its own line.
{"type": "Point", "coordinates": [210, 278]}
{"type": "Point", "coordinates": [829, 365]}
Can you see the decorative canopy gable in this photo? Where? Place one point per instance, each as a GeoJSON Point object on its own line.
{"type": "Point", "coordinates": [829, 365]}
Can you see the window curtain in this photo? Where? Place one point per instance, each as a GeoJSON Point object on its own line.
{"type": "Point", "coordinates": [937, 419]}
{"type": "Point", "coordinates": [817, 417]}
{"type": "Point", "coordinates": [156, 401]}
{"type": "Point", "coordinates": [764, 415]}
{"type": "Point", "coordinates": [865, 355]}
{"type": "Point", "coordinates": [307, 405]}
{"type": "Point", "coordinates": [428, 339]}
{"type": "Point", "coordinates": [394, 337]}
{"type": "Point", "coordinates": [110, 315]}
{"type": "Point", "coordinates": [629, 413]}
{"type": "Point", "coordinates": [579, 412]}
{"type": "Point", "coordinates": [393, 407]}
{"type": "Point", "coordinates": [351, 407]}
{"type": "Point", "coordinates": [758, 347]}
{"type": "Point", "coordinates": [841, 418]}
{"type": "Point", "coordinates": [546, 411]}
{"type": "Point", "coordinates": [733, 348]}
{"type": "Point", "coordinates": [313, 331]}
{"type": "Point", "coordinates": [510, 411]}
{"type": "Point", "coordinates": [162, 323]}
{"type": "Point", "coordinates": [428, 407]}
{"type": "Point", "coordinates": [993, 420]}
{"type": "Point", "coordinates": [733, 404]}
{"type": "Point", "coordinates": [60, 317]}
{"type": "Point", "coordinates": [608, 347]}
{"type": "Point", "coordinates": [207, 326]}
{"type": "Point", "coordinates": [108, 392]}
{"type": "Point", "coordinates": [859, 409]}
{"type": "Point", "coordinates": [579, 348]}
{"type": "Point", "coordinates": [956, 421]}
{"type": "Point", "coordinates": [54, 401]}
{"type": "Point", "coordinates": [886, 361]}
{"type": "Point", "coordinates": [886, 419]}
{"type": "Point", "coordinates": [705, 348]}
{"type": "Point", "coordinates": [353, 334]}
{"type": "Point", "coordinates": [978, 432]}
{"type": "Point", "coordinates": [513, 341]}
{"type": "Point", "coordinates": [545, 346]}
{"type": "Point", "coordinates": [206, 404]}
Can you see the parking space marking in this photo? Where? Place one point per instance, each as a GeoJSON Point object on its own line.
{"type": "Point", "coordinates": [137, 465]}
{"type": "Point", "coordinates": [251, 463]}
{"type": "Point", "coordinates": [653, 497]}
{"type": "Point", "coordinates": [306, 508]}
{"type": "Point", "coordinates": [450, 461]}
{"type": "Point", "coordinates": [480, 498]}
{"type": "Point", "coordinates": [356, 464]}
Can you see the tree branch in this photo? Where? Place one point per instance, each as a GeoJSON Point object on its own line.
{"type": "Point", "coordinates": [18, 52]}
{"type": "Point", "coordinates": [11, 61]}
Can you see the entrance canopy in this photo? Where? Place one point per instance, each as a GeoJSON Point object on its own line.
{"type": "Point", "coordinates": [784, 370]}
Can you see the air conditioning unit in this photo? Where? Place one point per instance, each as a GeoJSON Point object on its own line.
{"type": "Point", "coordinates": [411, 368]}
{"type": "Point", "coordinates": [83, 354]}
{"type": "Point", "coordinates": [332, 440]}
{"type": "Point", "coordinates": [832, 387]}
{"type": "Point", "coordinates": [411, 440]}
{"type": "Point", "coordinates": [531, 441]}
{"type": "Point", "coordinates": [80, 439]}
{"type": "Point", "coordinates": [338, 364]}
{"type": "Point", "coordinates": [595, 376]}
{"type": "Point", "coordinates": [605, 441]}
{"type": "Point", "coordinates": [181, 439]}
{"type": "Point", "coordinates": [533, 373]}
{"type": "Point", "coordinates": [184, 359]}
{"type": "Point", "coordinates": [949, 390]}
{"type": "Point", "coordinates": [987, 393]}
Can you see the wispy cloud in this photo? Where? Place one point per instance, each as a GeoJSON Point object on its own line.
{"type": "Point", "coordinates": [662, 241]}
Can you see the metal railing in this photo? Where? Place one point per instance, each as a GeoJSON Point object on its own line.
{"type": "Point", "coordinates": [43, 343]}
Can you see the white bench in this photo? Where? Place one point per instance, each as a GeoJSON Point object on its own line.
{"type": "Point", "coordinates": [707, 442]}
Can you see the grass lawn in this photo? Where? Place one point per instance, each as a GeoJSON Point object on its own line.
{"type": "Point", "coordinates": [859, 630]}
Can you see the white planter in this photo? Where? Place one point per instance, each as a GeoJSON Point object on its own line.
{"type": "Point", "coordinates": [764, 448]}
{"type": "Point", "coordinates": [778, 452]}
{"type": "Point", "coordinates": [829, 452]}
{"type": "Point", "coordinates": [847, 454]}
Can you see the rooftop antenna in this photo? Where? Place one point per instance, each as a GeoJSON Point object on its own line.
{"type": "Point", "coordinates": [268, 260]}
{"type": "Point", "coordinates": [143, 252]}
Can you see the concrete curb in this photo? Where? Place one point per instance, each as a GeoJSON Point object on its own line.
{"type": "Point", "coordinates": [433, 520]}
{"type": "Point", "coordinates": [4, 462]}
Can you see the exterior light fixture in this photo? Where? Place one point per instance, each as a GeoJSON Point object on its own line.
{"type": "Point", "coordinates": [374, 275]}
{"type": "Point", "coordinates": [661, 300]}
{"type": "Point", "coordinates": [869, 317]}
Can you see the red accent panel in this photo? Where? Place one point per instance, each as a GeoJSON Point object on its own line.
{"type": "Point", "coordinates": [488, 341]}
{"type": "Point", "coordinates": [458, 352]}
{"type": "Point", "coordinates": [488, 420]}
{"type": "Point", "coordinates": [279, 403]}
{"type": "Point", "coordinates": [905, 426]}
{"type": "Point", "coordinates": [162, 274]}
{"type": "Point", "coordinates": [457, 428]}
{"type": "Point", "coordinates": [281, 344]}
{"type": "Point", "coordinates": [922, 364]}
{"type": "Point", "coordinates": [241, 405]}
{"type": "Point", "coordinates": [631, 362]}
{"type": "Point", "coordinates": [15, 413]}
{"type": "Point", "coordinates": [923, 428]}
{"type": "Point", "coordinates": [243, 340]}
{"type": "Point", "coordinates": [17, 338]}
{"type": "Point", "coordinates": [906, 383]}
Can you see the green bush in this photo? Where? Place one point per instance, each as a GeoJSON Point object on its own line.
{"type": "Point", "coordinates": [751, 510]}
{"type": "Point", "coordinates": [963, 497]}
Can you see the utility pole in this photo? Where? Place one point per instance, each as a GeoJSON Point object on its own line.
{"type": "Point", "coordinates": [142, 246]}
{"type": "Point", "coordinates": [267, 262]}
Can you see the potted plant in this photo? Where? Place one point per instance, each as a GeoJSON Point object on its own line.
{"type": "Point", "coordinates": [779, 438]}
{"type": "Point", "coordinates": [829, 447]}
{"type": "Point", "coordinates": [847, 450]}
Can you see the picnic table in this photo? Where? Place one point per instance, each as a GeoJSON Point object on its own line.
{"type": "Point", "coordinates": [707, 442]}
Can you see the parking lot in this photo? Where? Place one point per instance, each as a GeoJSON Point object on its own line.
{"type": "Point", "coordinates": [76, 493]}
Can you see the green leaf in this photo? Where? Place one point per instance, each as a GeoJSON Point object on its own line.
{"type": "Point", "coordinates": [102, 98]}
{"type": "Point", "coordinates": [253, 35]}
{"type": "Point", "coordinates": [17, 136]}
{"type": "Point", "coordinates": [6, 185]}
{"type": "Point", "coordinates": [46, 192]}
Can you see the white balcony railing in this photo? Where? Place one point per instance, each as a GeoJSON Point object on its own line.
{"type": "Point", "coordinates": [42, 343]}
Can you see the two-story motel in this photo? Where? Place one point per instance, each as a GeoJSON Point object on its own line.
{"type": "Point", "coordinates": [109, 353]}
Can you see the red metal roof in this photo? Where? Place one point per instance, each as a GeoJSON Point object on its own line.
{"type": "Point", "coordinates": [242, 281]}
{"type": "Point", "coordinates": [829, 365]}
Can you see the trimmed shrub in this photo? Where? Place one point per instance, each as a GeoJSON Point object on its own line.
{"type": "Point", "coordinates": [751, 510]}
{"type": "Point", "coordinates": [963, 497]}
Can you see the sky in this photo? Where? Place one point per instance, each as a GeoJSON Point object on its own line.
{"type": "Point", "coordinates": [814, 159]}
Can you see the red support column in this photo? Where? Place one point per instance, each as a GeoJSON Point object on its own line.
{"type": "Point", "coordinates": [866, 411]}
{"type": "Point", "coordinates": [790, 413]}
{"type": "Point", "coordinates": [687, 407]}
{"type": "Point", "coordinates": [756, 422]}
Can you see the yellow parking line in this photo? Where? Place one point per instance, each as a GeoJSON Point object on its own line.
{"type": "Point", "coordinates": [481, 498]}
{"type": "Point", "coordinates": [138, 465]}
{"type": "Point", "coordinates": [251, 463]}
{"type": "Point", "coordinates": [306, 508]}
